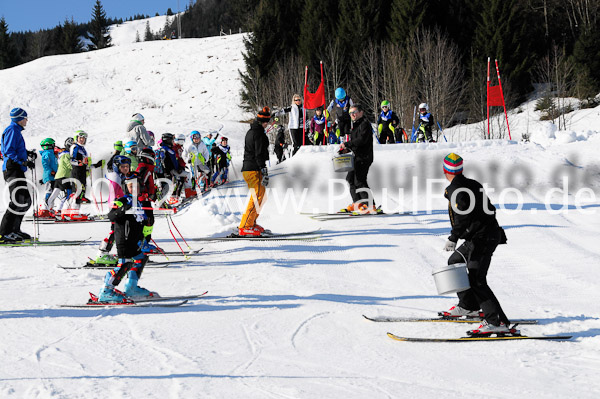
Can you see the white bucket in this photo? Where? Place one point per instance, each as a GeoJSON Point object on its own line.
{"type": "Point", "coordinates": [452, 278]}
{"type": "Point", "coordinates": [343, 162]}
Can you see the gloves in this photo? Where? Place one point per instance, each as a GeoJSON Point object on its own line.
{"type": "Point", "coordinates": [229, 156]}
{"type": "Point", "coordinates": [31, 154]}
{"type": "Point", "coordinates": [265, 177]}
{"type": "Point", "coordinates": [450, 246]}
{"type": "Point", "coordinates": [30, 164]}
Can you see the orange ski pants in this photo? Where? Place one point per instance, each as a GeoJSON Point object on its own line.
{"type": "Point", "coordinates": [253, 179]}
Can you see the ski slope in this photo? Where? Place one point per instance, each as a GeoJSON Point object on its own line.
{"type": "Point", "coordinates": [283, 319]}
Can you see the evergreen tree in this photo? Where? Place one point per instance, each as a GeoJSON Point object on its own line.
{"type": "Point", "coordinates": [5, 44]}
{"type": "Point", "coordinates": [503, 32]}
{"type": "Point", "coordinates": [70, 42]}
{"type": "Point", "coordinates": [148, 36]}
{"type": "Point", "coordinates": [98, 33]}
{"type": "Point", "coordinates": [406, 17]}
{"type": "Point", "coordinates": [169, 12]}
{"type": "Point", "coordinates": [586, 55]}
{"type": "Point", "coordinates": [316, 30]}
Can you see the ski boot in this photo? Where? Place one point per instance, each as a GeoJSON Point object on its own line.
{"type": "Point", "coordinates": [249, 232]}
{"type": "Point", "coordinates": [24, 236]}
{"type": "Point", "coordinates": [148, 248]}
{"type": "Point", "coordinates": [487, 329]}
{"type": "Point", "coordinates": [133, 291]}
{"type": "Point", "coordinates": [353, 207]}
{"type": "Point", "coordinates": [10, 238]}
{"type": "Point", "coordinates": [456, 311]}
{"type": "Point", "coordinates": [109, 294]}
{"type": "Point", "coordinates": [105, 258]}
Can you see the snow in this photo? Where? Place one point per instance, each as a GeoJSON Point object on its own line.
{"type": "Point", "coordinates": [283, 318]}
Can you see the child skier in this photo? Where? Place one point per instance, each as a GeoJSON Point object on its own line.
{"type": "Point", "coordinates": [121, 167]}
{"type": "Point", "coordinates": [424, 131]}
{"type": "Point", "coordinates": [222, 155]}
{"type": "Point", "coordinates": [63, 174]}
{"type": "Point", "coordinates": [130, 150]}
{"type": "Point", "coordinates": [80, 160]}
{"type": "Point", "coordinates": [318, 126]}
{"type": "Point", "coordinates": [128, 218]}
{"type": "Point", "coordinates": [50, 165]}
{"type": "Point", "coordinates": [387, 123]}
{"type": "Point", "coordinates": [197, 156]}
{"type": "Point", "coordinates": [145, 172]}
{"type": "Point", "coordinates": [340, 107]}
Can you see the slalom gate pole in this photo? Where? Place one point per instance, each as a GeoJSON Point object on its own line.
{"type": "Point", "coordinates": [173, 235]}
{"type": "Point", "coordinates": [173, 223]}
{"type": "Point", "coordinates": [92, 183]}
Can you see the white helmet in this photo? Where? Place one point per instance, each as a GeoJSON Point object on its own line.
{"type": "Point", "coordinates": [424, 105]}
{"type": "Point", "coordinates": [180, 139]}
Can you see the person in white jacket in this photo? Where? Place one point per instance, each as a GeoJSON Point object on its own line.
{"type": "Point", "coordinates": [197, 154]}
{"type": "Point", "coordinates": [138, 133]}
{"type": "Point", "coordinates": [296, 122]}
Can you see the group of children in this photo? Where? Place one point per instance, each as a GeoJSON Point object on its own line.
{"type": "Point", "coordinates": [320, 130]}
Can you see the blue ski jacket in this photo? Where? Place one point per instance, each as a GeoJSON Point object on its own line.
{"type": "Point", "coordinates": [13, 146]}
{"type": "Point", "coordinates": [50, 164]}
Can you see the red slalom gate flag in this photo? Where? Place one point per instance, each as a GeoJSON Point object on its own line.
{"type": "Point", "coordinates": [495, 96]}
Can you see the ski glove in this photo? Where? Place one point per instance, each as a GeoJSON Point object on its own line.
{"type": "Point", "coordinates": [450, 246]}
{"type": "Point", "coordinates": [265, 177]}
{"type": "Point", "coordinates": [29, 164]}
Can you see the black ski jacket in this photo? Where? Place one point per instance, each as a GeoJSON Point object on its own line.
{"type": "Point", "coordinates": [361, 141]}
{"type": "Point", "coordinates": [477, 223]}
{"type": "Point", "coordinates": [256, 148]}
{"type": "Point", "coordinates": [128, 231]}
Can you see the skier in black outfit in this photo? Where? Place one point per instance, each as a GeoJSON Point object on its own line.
{"type": "Point", "coordinates": [482, 234]}
{"type": "Point", "coordinates": [280, 144]}
{"type": "Point", "coordinates": [361, 143]}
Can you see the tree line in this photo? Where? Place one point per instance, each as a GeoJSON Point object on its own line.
{"type": "Point", "coordinates": [412, 51]}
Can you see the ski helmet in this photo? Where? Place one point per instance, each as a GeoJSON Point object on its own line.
{"type": "Point", "coordinates": [130, 176]}
{"type": "Point", "coordinates": [147, 155]}
{"type": "Point", "coordinates": [167, 138]}
{"type": "Point", "coordinates": [120, 160]}
{"type": "Point", "coordinates": [424, 106]}
{"type": "Point", "coordinates": [223, 138]}
{"type": "Point", "coordinates": [118, 145]}
{"type": "Point", "coordinates": [130, 147]}
{"type": "Point", "coordinates": [195, 134]}
{"type": "Point", "coordinates": [340, 93]}
{"type": "Point", "coordinates": [137, 118]}
{"type": "Point", "coordinates": [385, 103]}
{"type": "Point", "coordinates": [69, 143]}
{"type": "Point", "coordinates": [48, 144]}
{"type": "Point", "coordinates": [78, 134]}
{"type": "Point", "coordinates": [181, 139]}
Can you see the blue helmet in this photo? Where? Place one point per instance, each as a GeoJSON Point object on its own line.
{"type": "Point", "coordinates": [130, 146]}
{"type": "Point", "coordinates": [195, 133]}
{"type": "Point", "coordinates": [340, 93]}
{"type": "Point", "coordinates": [120, 160]}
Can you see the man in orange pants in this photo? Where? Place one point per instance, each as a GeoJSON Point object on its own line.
{"type": "Point", "coordinates": [254, 170]}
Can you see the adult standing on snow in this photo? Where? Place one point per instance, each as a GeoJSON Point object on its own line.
{"type": "Point", "coordinates": [296, 122]}
{"type": "Point", "coordinates": [361, 143]}
{"type": "Point", "coordinates": [340, 108]}
{"type": "Point", "coordinates": [473, 218]}
{"type": "Point", "coordinates": [138, 133]}
{"type": "Point", "coordinates": [16, 161]}
{"type": "Point", "coordinates": [254, 170]}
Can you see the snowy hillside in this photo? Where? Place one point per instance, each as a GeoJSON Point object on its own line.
{"type": "Point", "coordinates": [283, 319]}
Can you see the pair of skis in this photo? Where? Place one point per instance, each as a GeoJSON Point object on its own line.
{"type": "Point", "coordinates": [512, 336]}
{"type": "Point", "coordinates": [32, 243]}
{"type": "Point", "coordinates": [299, 236]}
{"type": "Point", "coordinates": [155, 302]}
{"type": "Point", "coordinates": [150, 264]}
{"type": "Point", "coordinates": [348, 215]}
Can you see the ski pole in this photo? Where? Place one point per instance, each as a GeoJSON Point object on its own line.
{"type": "Point", "coordinates": [173, 223]}
{"type": "Point", "coordinates": [173, 235]}
{"type": "Point", "coordinates": [159, 248]}
{"type": "Point", "coordinates": [442, 132]}
{"type": "Point", "coordinates": [36, 233]}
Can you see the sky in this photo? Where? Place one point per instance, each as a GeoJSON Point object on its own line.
{"type": "Point", "coordinates": [23, 15]}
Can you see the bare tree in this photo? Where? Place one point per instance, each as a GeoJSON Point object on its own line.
{"type": "Point", "coordinates": [439, 72]}
{"type": "Point", "coordinates": [368, 77]}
